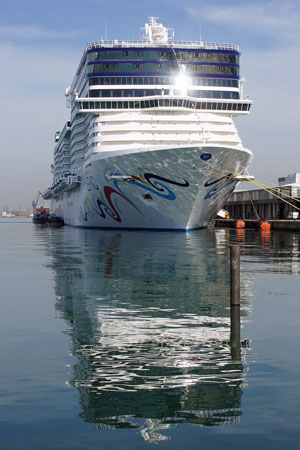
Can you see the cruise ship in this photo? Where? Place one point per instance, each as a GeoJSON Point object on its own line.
{"type": "Point", "coordinates": [150, 142]}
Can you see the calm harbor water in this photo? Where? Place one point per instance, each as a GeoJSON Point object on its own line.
{"type": "Point", "coordinates": [113, 339]}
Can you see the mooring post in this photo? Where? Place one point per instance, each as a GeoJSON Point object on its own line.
{"type": "Point", "coordinates": [235, 275]}
{"type": "Point", "coordinates": [235, 333]}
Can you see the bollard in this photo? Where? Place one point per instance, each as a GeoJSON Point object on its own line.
{"type": "Point", "coordinates": [234, 275]}
{"type": "Point", "coordinates": [235, 333]}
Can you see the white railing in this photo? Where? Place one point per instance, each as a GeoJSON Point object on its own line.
{"type": "Point", "coordinates": [176, 44]}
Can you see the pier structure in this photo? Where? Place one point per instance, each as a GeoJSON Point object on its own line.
{"type": "Point", "coordinates": [279, 203]}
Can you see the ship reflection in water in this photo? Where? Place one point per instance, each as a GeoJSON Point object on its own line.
{"type": "Point", "coordinates": [149, 320]}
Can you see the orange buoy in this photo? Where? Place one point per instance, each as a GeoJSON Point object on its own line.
{"type": "Point", "coordinates": [240, 224]}
{"type": "Point", "coordinates": [265, 225]}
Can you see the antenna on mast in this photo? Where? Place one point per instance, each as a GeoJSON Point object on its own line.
{"type": "Point", "coordinates": [200, 32]}
{"type": "Point", "coordinates": [105, 30]}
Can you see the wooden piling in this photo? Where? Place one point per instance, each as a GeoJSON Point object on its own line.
{"type": "Point", "coordinates": [234, 275]}
{"type": "Point", "coordinates": [235, 333]}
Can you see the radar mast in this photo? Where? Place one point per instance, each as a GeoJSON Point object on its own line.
{"type": "Point", "coordinates": [155, 32]}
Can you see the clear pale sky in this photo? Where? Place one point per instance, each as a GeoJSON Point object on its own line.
{"type": "Point", "coordinates": [41, 43]}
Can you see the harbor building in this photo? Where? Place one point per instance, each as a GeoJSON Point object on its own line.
{"type": "Point", "coordinates": [270, 203]}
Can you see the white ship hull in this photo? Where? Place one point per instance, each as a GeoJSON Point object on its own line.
{"type": "Point", "coordinates": [179, 188]}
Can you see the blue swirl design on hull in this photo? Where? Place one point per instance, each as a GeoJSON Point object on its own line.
{"type": "Point", "coordinates": [220, 184]}
{"type": "Point", "coordinates": [156, 187]}
{"type": "Point", "coordinates": [104, 206]}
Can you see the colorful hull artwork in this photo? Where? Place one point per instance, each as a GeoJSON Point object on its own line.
{"type": "Point", "coordinates": [184, 194]}
{"type": "Point", "coordinates": [103, 203]}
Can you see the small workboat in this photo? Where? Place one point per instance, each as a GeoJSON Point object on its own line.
{"type": "Point", "coordinates": [41, 215]}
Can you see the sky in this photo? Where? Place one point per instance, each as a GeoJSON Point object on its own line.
{"type": "Point", "coordinates": [42, 41]}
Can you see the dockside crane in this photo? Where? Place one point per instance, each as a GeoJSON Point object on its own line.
{"type": "Point", "coordinates": [39, 202]}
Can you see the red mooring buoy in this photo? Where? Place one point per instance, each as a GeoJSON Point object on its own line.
{"type": "Point", "coordinates": [240, 224]}
{"type": "Point", "coordinates": [265, 225]}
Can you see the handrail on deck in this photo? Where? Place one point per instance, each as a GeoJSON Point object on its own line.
{"type": "Point", "coordinates": [180, 44]}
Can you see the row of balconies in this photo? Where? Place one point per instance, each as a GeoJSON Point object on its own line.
{"type": "Point", "coordinates": [163, 117]}
{"type": "Point", "coordinates": [79, 119]}
{"type": "Point", "coordinates": [166, 136]}
{"type": "Point", "coordinates": [165, 127]}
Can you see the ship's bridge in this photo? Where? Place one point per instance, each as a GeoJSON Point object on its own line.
{"type": "Point", "coordinates": [157, 54]}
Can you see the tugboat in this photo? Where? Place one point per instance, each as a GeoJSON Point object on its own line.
{"type": "Point", "coordinates": [42, 215]}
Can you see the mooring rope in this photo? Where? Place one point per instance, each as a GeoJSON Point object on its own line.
{"type": "Point", "coordinates": [253, 206]}
{"type": "Point", "coordinates": [271, 190]}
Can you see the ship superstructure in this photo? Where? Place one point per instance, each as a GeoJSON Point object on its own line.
{"type": "Point", "coordinates": [151, 141]}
